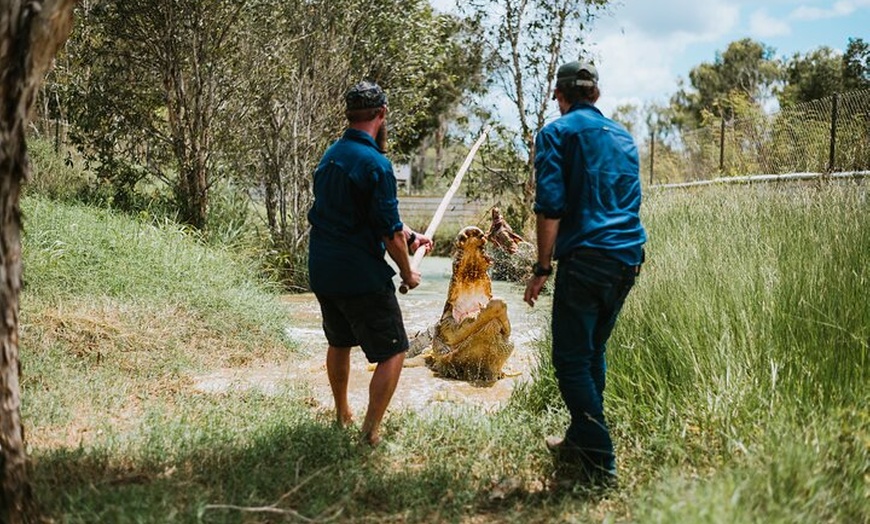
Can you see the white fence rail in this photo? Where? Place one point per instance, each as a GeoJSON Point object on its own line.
{"type": "Point", "coordinates": [766, 178]}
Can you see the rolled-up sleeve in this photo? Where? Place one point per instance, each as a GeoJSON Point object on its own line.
{"type": "Point", "coordinates": [549, 180]}
{"type": "Point", "coordinates": [385, 202]}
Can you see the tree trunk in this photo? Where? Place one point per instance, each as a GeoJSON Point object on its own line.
{"type": "Point", "coordinates": [30, 34]}
{"type": "Point", "coordinates": [270, 185]}
{"type": "Point", "coordinates": [16, 497]}
{"type": "Point", "coordinates": [196, 204]}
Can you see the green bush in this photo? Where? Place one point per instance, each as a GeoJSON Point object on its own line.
{"type": "Point", "coordinates": [58, 176]}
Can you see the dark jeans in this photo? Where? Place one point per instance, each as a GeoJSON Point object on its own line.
{"type": "Point", "coordinates": [590, 290]}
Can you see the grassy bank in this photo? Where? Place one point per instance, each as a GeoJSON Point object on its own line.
{"type": "Point", "coordinates": [117, 313]}
{"type": "Point", "coordinates": [738, 383]}
{"type": "Point", "coordinates": [738, 375]}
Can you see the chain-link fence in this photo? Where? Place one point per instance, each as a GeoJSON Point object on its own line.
{"type": "Point", "coordinates": [829, 135]}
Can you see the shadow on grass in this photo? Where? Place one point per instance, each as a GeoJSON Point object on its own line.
{"type": "Point", "coordinates": [308, 471]}
{"type": "Point", "coordinates": [316, 470]}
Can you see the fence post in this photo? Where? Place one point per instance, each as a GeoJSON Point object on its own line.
{"type": "Point", "coordinates": [652, 154]}
{"type": "Point", "coordinates": [722, 145]}
{"type": "Point", "coordinates": [833, 149]}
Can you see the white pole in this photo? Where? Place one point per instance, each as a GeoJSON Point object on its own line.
{"type": "Point", "coordinates": [442, 207]}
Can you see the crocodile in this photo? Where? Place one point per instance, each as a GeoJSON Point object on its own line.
{"type": "Point", "coordinates": [471, 341]}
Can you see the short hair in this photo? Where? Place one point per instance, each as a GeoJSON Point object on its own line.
{"type": "Point", "coordinates": [363, 115]}
{"type": "Point", "coordinates": [579, 93]}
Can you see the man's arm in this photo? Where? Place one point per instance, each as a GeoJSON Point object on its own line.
{"type": "Point", "coordinates": [549, 202]}
{"type": "Point", "coordinates": [547, 228]}
{"type": "Point", "coordinates": [546, 237]}
{"type": "Point", "coordinates": [397, 248]}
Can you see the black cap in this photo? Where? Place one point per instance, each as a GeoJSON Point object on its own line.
{"type": "Point", "coordinates": [365, 95]}
{"type": "Point", "coordinates": [576, 74]}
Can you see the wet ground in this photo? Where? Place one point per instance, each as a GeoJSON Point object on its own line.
{"type": "Point", "coordinates": [419, 389]}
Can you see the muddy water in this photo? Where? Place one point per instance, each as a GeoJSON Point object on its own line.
{"type": "Point", "coordinates": [419, 389]}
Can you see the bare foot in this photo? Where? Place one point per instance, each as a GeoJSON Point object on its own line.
{"type": "Point", "coordinates": [344, 420]}
{"type": "Point", "coordinates": [372, 439]}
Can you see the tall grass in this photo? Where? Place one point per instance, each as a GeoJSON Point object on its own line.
{"type": "Point", "coordinates": [117, 313]}
{"type": "Point", "coordinates": [78, 251]}
{"type": "Point", "coordinates": [741, 358]}
{"type": "Point", "coordinates": [57, 176]}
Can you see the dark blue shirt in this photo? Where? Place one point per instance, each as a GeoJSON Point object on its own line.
{"type": "Point", "coordinates": [587, 174]}
{"type": "Point", "coordinates": [355, 206]}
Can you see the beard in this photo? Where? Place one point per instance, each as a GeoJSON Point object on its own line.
{"type": "Point", "coordinates": [381, 137]}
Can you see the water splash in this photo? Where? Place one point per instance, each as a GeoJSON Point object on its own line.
{"type": "Point", "coordinates": [419, 389]}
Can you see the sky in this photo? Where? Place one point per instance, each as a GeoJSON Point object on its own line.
{"type": "Point", "coordinates": [643, 47]}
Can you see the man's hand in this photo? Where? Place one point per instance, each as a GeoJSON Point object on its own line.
{"type": "Point", "coordinates": [533, 289]}
{"type": "Point", "coordinates": [422, 241]}
{"type": "Point", "coordinates": [547, 229]}
{"type": "Point", "coordinates": [410, 280]}
{"type": "Point", "coordinates": [397, 246]}
{"type": "Point", "coordinates": [417, 241]}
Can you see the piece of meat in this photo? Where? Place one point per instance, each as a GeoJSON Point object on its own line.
{"type": "Point", "coordinates": [501, 234]}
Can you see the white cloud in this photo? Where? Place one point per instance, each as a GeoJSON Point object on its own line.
{"type": "Point", "coordinates": [632, 67]}
{"type": "Point", "coordinates": [763, 25]}
{"type": "Point", "coordinates": [839, 9]}
{"type": "Point", "coordinates": [643, 47]}
{"type": "Point", "coordinates": [694, 19]}
{"type": "Point", "coordinates": [637, 44]}
{"type": "Point", "coordinates": [445, 6]}
{"type": "Point", "coordinates": [637, 47]}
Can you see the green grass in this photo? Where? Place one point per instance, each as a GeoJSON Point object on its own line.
{"type": "Point", "coordinates": [737, 383]}
{"type": "Point", "coordinates": [77, 251]}
{"type": "Point", "coordinates": [116, 312]}
{"type": "Point", "coordinates": [738, 373]}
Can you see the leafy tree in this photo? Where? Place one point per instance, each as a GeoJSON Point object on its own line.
{"type": "Point", "coordinates": [817, 74]}
{"type": "Point", "coordinates": [824, 71]}
{"type": "Point", "coordinates": [526, 42]}
{"type": "Point", "coordinates": [631, 116]}
{"type": "Point", "coordinates": [856, 65]}
{"type": "Point", "coordinates": [30, 34]}
{"type": "Point", "coordinates": [154, 87]}
{"type": "Point", "coordinates": [746, 67]}
{"type": "Point", "coordinates": [295, 64]}
{"type": "Point", "coordinates": [293, 67]}
{"type": "Point", "coordinates": [187, 93]}
{"type": "Point", "coordinates": [426, 61]}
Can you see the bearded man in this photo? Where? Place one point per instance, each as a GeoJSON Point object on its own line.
{"type": "Point", "coordinates": [354, 222]}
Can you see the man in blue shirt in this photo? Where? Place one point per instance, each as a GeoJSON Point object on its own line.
{"type": "Point", "coordinates": [587, 204]}
{"type": "Point", "coordinates": [354, 222]}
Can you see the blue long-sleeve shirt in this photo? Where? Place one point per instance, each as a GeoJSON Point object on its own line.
{"type": "Point", "coordinates": [355, 206]}
{"type": "Point", "coordinates": [587, 174]}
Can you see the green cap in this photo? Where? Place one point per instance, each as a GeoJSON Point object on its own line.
{"type": "Point", "coordinates": [576, 74]}
{"type": "Point", "coordinates": [365, 95]}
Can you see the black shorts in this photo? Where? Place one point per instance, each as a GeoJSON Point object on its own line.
{"type": "Point", "coordinates": [372, 321]}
